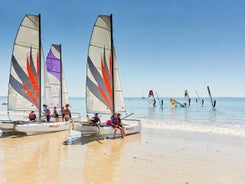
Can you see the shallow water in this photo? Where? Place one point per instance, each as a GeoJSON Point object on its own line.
{"type": "Point", "coordinates": [227, 118]}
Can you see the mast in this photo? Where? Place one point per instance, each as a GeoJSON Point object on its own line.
{"type": "Point", "coordinates": [112, 56]}
{"type": "Point", "coordinates": [61, 79]}
{"type": "Point", "coordinates": [39, 63]}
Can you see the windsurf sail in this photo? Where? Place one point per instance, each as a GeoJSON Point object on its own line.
{"type": "Point", "coordinates": [175, 102]}
{"type": "Point", "coordinates": [103, 87]}
{"type": "Point", "coordinates": [187, 98]}
{"type": "Point", "coordinates": [213, 102]}
{"type": "Point", "coordinates": [24, 89]}
{"type": "Point", "coordinates": [151, 98]}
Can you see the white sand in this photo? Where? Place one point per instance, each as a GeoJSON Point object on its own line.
{"type": "Point", "coordinates": [154, 156]}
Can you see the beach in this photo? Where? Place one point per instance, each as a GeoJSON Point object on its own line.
{"type": "Point", "coordinates": [154, 156]}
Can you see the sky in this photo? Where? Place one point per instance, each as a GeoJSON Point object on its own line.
{"type": "Point", "coordinates": [164, 45]}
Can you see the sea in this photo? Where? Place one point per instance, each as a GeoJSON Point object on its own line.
{"type": "Point", "coordinates": [228, 117]}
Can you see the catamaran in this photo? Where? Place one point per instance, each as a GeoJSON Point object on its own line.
{"type": "Point", "coordinates": [103, 87]}
{"type": "Point", "coordinates": [24, 90]}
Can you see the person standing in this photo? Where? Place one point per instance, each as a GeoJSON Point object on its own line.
{"type": "Point", "coordinates": [56, 114]}
{"type": "Point", "coordinates": [47, 112]}
{"type": "Point", "coordinates": [67, 113]}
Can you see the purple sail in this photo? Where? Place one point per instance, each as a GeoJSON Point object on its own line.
{"type": "Point", "coordinates": [53, 61]}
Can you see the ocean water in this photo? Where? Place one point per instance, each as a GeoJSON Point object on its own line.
{"type": "Point", "coordinates": [227, 118]}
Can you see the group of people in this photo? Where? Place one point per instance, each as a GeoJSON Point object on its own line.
{"type": "Point", "coordinates": [65, 112]}
{"type": "Point", "coordinates": [115, 122]}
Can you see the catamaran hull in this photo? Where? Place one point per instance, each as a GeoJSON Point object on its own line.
{"type": "Point", "coordinates": [40, 128]}
{"type": "Point", "coordinates": [7, 126]}
{"type": "Point", "coordinates": [86, 128]}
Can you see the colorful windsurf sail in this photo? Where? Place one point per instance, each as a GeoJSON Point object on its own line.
{"type": "Point", "coordinates": [176, 103]}
{"type": "Point", "coordinates": [151, 98]}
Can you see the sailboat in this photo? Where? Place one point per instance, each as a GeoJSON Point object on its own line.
{"type": "Point", "coordinates": [103, 87]}
{"type": "Point", "coordinates": [24, 90]}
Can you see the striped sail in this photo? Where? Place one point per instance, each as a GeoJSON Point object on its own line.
{"type": "Point", "coordinates": [53, 75]}
{"type": "Point", "coordinates": [100, 96]}
{"type": "Point", "coordinates": [24, 79]}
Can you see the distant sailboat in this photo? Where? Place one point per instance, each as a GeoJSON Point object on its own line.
{"type": "Point", "coordinates": [24, 92]}
{"type": "Point", "coordinates": [103, 87]}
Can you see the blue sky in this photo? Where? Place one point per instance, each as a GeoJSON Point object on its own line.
{"type": "Point", "coordinates": [164, 45]}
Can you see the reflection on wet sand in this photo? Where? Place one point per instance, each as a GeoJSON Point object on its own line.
{"type": "Point", "coordinates": [59, 158]}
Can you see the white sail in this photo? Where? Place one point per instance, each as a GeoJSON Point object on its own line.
{"type": "Point", "coordinates": [54, 74]}
{"type": "Point", "coordinates": [100, 96]}
{"type": "Point", "coordinates": [24, 80]}
{"type": "Point", "coordinates": [187, 98]}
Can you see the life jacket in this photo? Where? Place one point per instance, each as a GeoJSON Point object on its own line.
{"type": "Point", "coordinates": [96, 119]}
{"type": "Point", "coordinates": [114, 121]}
{"type": "Point", "coordinates": [32, 116]}
{"type": "Point", "coordinates": [47, 112]}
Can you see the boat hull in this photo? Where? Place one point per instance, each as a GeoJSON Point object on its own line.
{"type": "Point", "coordinates": [7, 126]}
{"type": "Point", "coordinates": [33, 128]}
{"type": "Point", "coordinates": [130, 128]}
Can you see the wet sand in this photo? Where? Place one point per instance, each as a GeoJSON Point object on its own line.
{"type": "Point", "coordinates": [154, 156]}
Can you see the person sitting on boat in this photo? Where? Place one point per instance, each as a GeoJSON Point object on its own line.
{"type": "Point", "coordinates": [56, 115]}
{"type": "Point", "coordinates": [32, 116]}
{"type": "Point", "coordinates": [115, 124]}
{"type": "Point", "coordinates": [67, 113]}
{"type": "Point", "coordinates": [47, 112]}
{"type": "Point", "coordinates": [122, 128]}
{"type": "Point", "coordinates": [96, 120]}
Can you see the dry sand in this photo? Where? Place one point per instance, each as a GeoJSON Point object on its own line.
{"type": "Point", "coordinates": [154, 156]}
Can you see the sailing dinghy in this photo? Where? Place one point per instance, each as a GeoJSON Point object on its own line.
{"type": "Point", "coordinates": [103, 88]}
{"type": "Point", "coordinates": [24, 93]}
